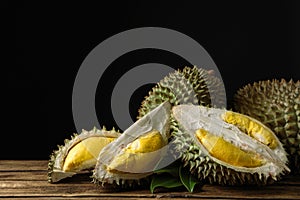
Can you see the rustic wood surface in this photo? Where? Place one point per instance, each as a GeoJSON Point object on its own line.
{"type": "Point", "coordinates": [28, 179]}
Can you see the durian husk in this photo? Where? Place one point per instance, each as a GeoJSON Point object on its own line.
{"type": "Point", "coordinates": [276, 103]}
{"type": "Point", "coordinates": [56, 171]}
{"type": "Point", "coordinates": [191, 85]}
{"type": "Point", "coordinates": [117, 166]}
{"type": "Point", "coordinates": [213, 170]}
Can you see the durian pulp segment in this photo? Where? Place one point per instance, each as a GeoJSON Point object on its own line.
{"type": "Point", "coordinates": [152, 141]}
{"type": "Point", "coordinates": [84, 154]}
{"type": "Point", "coordinates": [139, 154]}
{"type": "Point", "coordinates": [251, 127]}
{"type": "Point", "coordinates": [227, 152]}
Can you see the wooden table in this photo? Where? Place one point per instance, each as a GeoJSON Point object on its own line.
{"type": "Point", "coordinates": [28, 179]}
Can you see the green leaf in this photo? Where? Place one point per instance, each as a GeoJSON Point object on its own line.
{"type": "Point", "coordinates": [187, 179]}
{"type": "Point", "coordinates": [164, 180]}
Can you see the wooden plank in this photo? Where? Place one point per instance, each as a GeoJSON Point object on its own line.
{"type": "Point", "coordinates": [39, 176]}
{"type": "Point", "coordinates": [289, 180]}
{"type": "Point", "coordinates": [42, 188]}
{"type": "Point", "coordinates": [25, 176]}
{"type": "Point", "coordinates": [29, 179]}
{"type": "Point", "coordinates": [23, 165]}
{"type": "Point", "coordinates": [41, 165]}
{"type": "Point", "coordinates": [110, 198]}
{"type": "Point", "coordinates": [287, 194]}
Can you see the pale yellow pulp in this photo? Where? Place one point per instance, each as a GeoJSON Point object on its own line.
{"type": "Point", "coordinates": [227, 152]}
{"type": "Point", "coordinates": [139, 155]}
{"type": "Point", "coordinates": [82, 155]}
{"type": "Point", "coordinates": [152, 141]}
{"type": "Point", "coordinates": [252, 128]}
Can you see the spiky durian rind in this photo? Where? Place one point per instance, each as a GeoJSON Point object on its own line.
{"type": "Point", "coordinates": [137, 181]}
{"type": "Point", "coordinates": [208, 87]}
{"type": "Point", "coordinates": [208, 170]}
{"type": "Point", "coordinates": [276, 103]}
{"type": "Point", "coordinates": [188, 86]}
{"type": "Point", "coordinates": [57, 157]}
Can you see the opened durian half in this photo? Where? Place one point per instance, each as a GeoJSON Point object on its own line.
{"type": "Point", "coordinates": [78, 155]}
{"type": "Point", "coordinates": [226, 147]}
{"type": "Point", "coordinates": [137, 152]}
{"type": "Point", "coordinates": [276, 103]}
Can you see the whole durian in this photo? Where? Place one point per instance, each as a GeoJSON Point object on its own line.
{"type": "Point", "coordinates": [188, 86]}
{"type": "Point", "coordinates": [79, 154]}
{"type": "Point", "coordinates": [226, 147]}
{"type": "Point", "coordinates": [276, 103]}
{"type": "Point", "coordinates": [134, 156]}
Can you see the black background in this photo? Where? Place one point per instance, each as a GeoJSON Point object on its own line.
{"type": "Point", "coordinates": [248, 42]}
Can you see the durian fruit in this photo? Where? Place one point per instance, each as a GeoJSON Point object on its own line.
{"type": "Point", "coordinates": [79, 154]}
{"type": "Point", "coordinates": [135, 154]}
{"type": "Point", "coordinates": [276, 103]}
{"type": "Point", "coordinates": [192, 85]}
{"type": "Point", "coordinates": [225, 147]}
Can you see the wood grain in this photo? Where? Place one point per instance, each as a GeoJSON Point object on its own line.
{"type": "Point", "coordinates": [28, 179]}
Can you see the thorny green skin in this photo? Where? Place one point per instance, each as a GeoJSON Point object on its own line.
{"type": "Point", "coordinates": [59, 155]}
{"type": "Point", "coordinates": [123, 183]}
{"type": "Point", "coordinates": [276, 103]}
{"type": "Point", "coordinates": [189, 86]}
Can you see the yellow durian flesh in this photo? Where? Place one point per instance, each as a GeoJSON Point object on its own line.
{"type": "Point", "coordinates": [252, 127]}
{"type": "Point", "coordinates": [152, 141]}
{"type": "Point", "coordinates": [84, 154]}
{"type": "Point", "coordinates": [139, 154]}
{"type": "Point", "coordinates": [227, 152]}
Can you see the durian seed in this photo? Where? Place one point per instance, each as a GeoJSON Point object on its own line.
{"type": "Point", "coordinates": [138, 154]}
{"type": "Point", "coordinates": [252, 128]}
{"type": "Point", "coordinates": [85, 153]}
{"type": "Point", "coordinates": [227, 152]}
